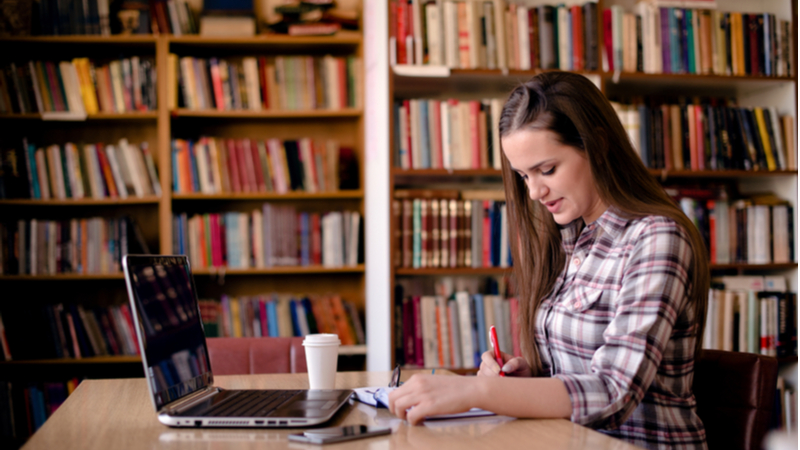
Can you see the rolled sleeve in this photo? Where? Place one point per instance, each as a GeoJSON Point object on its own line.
{"type": "Point", "coordinates": [652, 294]}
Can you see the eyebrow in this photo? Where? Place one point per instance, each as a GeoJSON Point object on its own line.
{"type": "Point", "coordinates": [535, 166]}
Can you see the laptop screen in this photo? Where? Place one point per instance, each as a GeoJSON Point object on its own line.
{"type": "Point", "coordinates": [171, 337]}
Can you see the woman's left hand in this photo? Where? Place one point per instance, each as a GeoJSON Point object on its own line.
{"type": "Point", "coordinates": [430, 395]}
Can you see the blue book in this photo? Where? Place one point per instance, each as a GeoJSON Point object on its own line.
{"type": "Point", "coordinates": [174, 166]}
{"type": "Point", "coordinates": [166, 366]}
{"type": "Point", "coordinates": [312, 322]}
{"type": "Point", "coordinates": [481, 320]}
{"type": "Point", "coordinates": [675, 40]}
{"type": "Point", "coordinates": [293, 306]}
{"type": "Point", "coordinates": [691, 67]}
{"type": "Point", "coordinates": [272, 318]}
{"type": "Point", "coordinates": [305, 258]}
{"type": "Point", "coordinates": [424, 135]}
{"type": "Point", "coordinates": [495, 219]}
{"type": "Point", "coordinates": [683, 27]}
{"type": "Point", "coordinates": [37, 406]}
{"type": "Point", "coordinates": [30, 154]}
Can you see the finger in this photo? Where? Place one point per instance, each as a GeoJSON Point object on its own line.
{"type": "Point", "coordinates": [402, 405]}
{"type": "Point", "coordinates": [512, 365]}
{"type": "Point", "coordinates": [488, 359]}
{"type": "Point", "coordinates": [418, 414]}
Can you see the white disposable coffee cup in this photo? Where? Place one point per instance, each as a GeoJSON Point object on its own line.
{"type": "Point", "coordinates": [322, 351]}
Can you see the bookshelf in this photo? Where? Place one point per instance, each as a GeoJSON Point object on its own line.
{"type": "Point", "coordinates": [410, 81]}
{"type": "Point", "coordinates": [154, 214]}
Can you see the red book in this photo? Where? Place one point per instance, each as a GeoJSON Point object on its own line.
{"type": "Point", "coordinates": [233, 166]}
{"type": "Point", "coordinates": [341, 66]}
{"type": "Point", "coordinates": [755, 49]}
{"type": "Point", "coordinates": [700, 137]}
{"type": "Point", "coordinates": [316, 240]}
{"type": "Point", "coordinates": [261, 185]}
{"type": "Point", "coordinates": [608, 39]}
{"type": "Point", "coordinates": [161, 18]}
{"type": "Point", "coordinates": [110, 89]}
{"type": "Point", "coordinates": [418, 331]}
{"type": "Point", "coordinates": [533, 36]}
{"type": "Point", "coordinates": [577, 37]}
{"type": "Point", "coordinates": [487, 234]}
{"type": "Point", "coordinates": [262, 315]}
{"type": "Point", "coordinates": [216, 83]}
{"type": "Point", "coordinates": [126, 313]}
{"type": "Point", "coordinates": [246, 168]}
{"type": "Point", "coordinates": [439, 337]}
{"type": "Point", "coordinates": [402, 31]}
{"type": "Point", "coordinates": [216, 252]}
{"type": "Point", "coordinates": [262, 77]}
{"type": "Point", "coordinates": [513, 305]}
{"type": "Point", "coordinates": [712, 231]}
{"type": "Point", "coordinates": [60, 103]}
{"type": "Point", "coordinates": [201, 241]}
{"type": "Point", "coordinates": [407, 112]}
{"type": "Point", "coordinates": [105, 170]}
{"type": "Point", "coordinates": [475, 133]}
{"type": "Point", "coordinates": [435, 115]}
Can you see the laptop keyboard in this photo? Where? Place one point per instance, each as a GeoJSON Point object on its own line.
{"type": "Point", "coordinates": [251, 404]}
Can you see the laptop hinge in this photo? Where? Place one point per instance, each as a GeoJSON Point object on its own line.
{"type": "Point", "coordinates": [191, 400]}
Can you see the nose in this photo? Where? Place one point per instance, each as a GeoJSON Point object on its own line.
{"type": "Point", "coordinates": [536, 189]}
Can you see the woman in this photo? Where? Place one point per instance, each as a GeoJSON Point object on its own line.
{"type": "Point", "coordinates": [614, 276]}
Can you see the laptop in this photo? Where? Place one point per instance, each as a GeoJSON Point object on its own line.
{"type": "Point", "coordinates": [175, 358]}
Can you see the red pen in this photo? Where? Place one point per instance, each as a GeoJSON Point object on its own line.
{"type": "Point", "coordinates": [496, 347]}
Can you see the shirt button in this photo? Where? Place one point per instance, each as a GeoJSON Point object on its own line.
{"type": "Point", "coordinates": [576, 262]}
{"type": "Point", "coordinates": [577, 304]}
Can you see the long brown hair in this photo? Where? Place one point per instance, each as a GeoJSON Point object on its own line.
{"type": "Point", "coordinates": [579, 115]}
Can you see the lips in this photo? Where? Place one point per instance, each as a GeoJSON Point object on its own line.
{"type": "Point", "coordinates": [553, 206]}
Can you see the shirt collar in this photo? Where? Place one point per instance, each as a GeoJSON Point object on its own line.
{"type": "Point", "coordinates": [611, 221]}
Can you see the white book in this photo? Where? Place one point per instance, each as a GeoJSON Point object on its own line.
{"type": "Point", "coordinates": [125, 170]}
{"type": "Point", "coordinates": [174, 19]}
{"type": "Point", "coordinates": [450, 20]}
{"type": "Point", "coordinates": [434, 34]}
{"type": "Point", "coordinates": [72, 86]}
{"type": "Point", "coordinates": [128, 153]}
{"type": "Point", "coordinates": [455, 334]}
{"type": "Point", "coordinates": [115, 68]}
{"type": "Point", "coordinates": [709, 332]}
{"type": "Point", "coordinates": [416, 13]}
{"type": "Point", "coordinates": [447, 161]}
{"type": "Point", "coordinates": [416, 144]}
{"type": "Point", "coordinates": [524, 42]}
{"type": "Point", "coordinates": [57, 168]}
{"type": "Point", "coordinates": [309, 182]}
{"type": "Point", "coordinates": [355, 226]}
{"type": "Point", "coordinates": [760, 235]}
{"type": "Point", "coordinates": [564, 56]}
{"type": "Point", "coordinates": [473, 31]}
{"type": "Point", "coordinates": [503, 236]}
{"type": "Point", "coordinates": [111, 154]}
{"type": "Point", "coordinates": [496, 108]}
{"type": "Point", "coordinates": [403, 112]}
{"type": "Point", "coordinates": [201, 156]}
{"type": "Point", "coordinates": [251, 81]}
{"type": "Point", "coordinates": [465, 328]}
{"type": "Point", "coordinates": [187, 76]}
{"type": "Point", "coordinates": [491, 44]}
{"type": "Point", "coordinates": [764, 329]}
{"type": "Point", "coordinates": [723, 232]}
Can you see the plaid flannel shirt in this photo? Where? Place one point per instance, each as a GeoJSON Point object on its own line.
{"type": "Point", "coordinates": [617, 330]}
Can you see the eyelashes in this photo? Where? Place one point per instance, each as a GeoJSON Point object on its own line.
{"type": "Point", "coordinates": [550, 172]}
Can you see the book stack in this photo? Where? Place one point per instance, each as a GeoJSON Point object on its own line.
{"type": "Point", "coordinates": [25, 406]}
{"type": "Point", "coordinates": [655, 39]}
{"type": "Point", "coordinates": [267, 83]}
{"type": "Point", "coordinates": [450, 229]}
{"type": "Point", "coordinates": [79, 246]}
{"type": "Point", "coordinates": [447, 134]}
{"type": "Point", "coordinates": [474, 34]}
{"type": "Point", "coordinates": [78, 87]}
{"type": "Point", "coordinates": [282, 315]}
{"type": "Point", "coordinates": [709, 134]}
{"type": "Point", "coordinates": [271, 236]}
{"type": "Point", "coordinates": [215, 166]}
{"type": "Point", "coordinates": [754, 230]}
{"type": "Point", "coordinates": [452, 330]}
{"type": "Point", "coordinates": [68, 172]}
{"type": "Point", "coordinates": [751, 314]}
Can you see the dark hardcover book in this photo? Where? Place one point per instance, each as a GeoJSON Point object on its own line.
{"type": "Point", "coordinates": [791, 238]}
{"type": "Point", "coordinates": [548, 52]}
{"type": "Point", "coordinates": [349, 177]}
{"type": "Point", "coordinates": [80, 332]}
{"type": "Point", "coordinates": [590, 36]}
{"type": "Point", "coordinates": [758, 57]}
{"type": "Point", "coordinates": [656, 150]}
{"type": "Point", "coordinates": [639, 46]}
{"type": "Point", "coordinates": [666, 51]}
{"type": "Point", "coordinates": [77, 22]}
{"type": "Point", "coordinates": [785, 314]}
{"type": "Point", "coordinates": [313, 328]}
{"type": "Point", "coordinates": [740, 158]}
{"type": "Point", "coordinates": [747, 138]}
{"type": "Point", "coordinates": [533, 36]}
{"type": "Point", "coordinates": [687, 150]}
{"type": "Point", "coordinates": [772, 138]}
{"type": "Point", "coordinates": [747, 31]}
{"type": "Point", "coordinates": [49, 312]}
{"type": "Point", "coordinates": [712, 149]}
{"type": "Point", "coordinates": [295, 166]}
{"type": "Point", "coordinates": [751, 129]}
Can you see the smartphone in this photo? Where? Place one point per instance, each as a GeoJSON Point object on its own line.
{"type": "Point", "coordinates": [338, 434]}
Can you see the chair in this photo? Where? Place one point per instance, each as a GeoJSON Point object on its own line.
{"type": "Point", "coordinates": [735, 394]}
{"type": "Point", "coordinates": [237, 356]}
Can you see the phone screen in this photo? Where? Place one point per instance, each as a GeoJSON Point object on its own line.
{"type": "Point", "coordinates": [338, 434]}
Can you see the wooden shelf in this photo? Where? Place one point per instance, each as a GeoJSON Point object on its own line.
{"type": "Point", "coordinates": [348, 113]}
{"type": "Point", "coordinates": [354, 194]}
{"type": "Point", "coordinates": [146, 115]}
{"type": "Point", "coordinates": [343, 37]}
{"type": "Point", "coordinates": [118, 359]}
{"type": "Point", "coordinates": [446, 172]}
{"type": "Point", "coordinates": [64, 276]}
{"type": "Point", "coordinates": [279, 270]}
{"type": "Point", "coordinates": [740, 266]}
{"type": "Point", "coordinates": [440, 271]}
{"type": "Point", "coordinates": [83, 201]}
{"type": "Point", "coordinates": [85, 39]}
{"type": "Point", "coordinates": [707, 174]}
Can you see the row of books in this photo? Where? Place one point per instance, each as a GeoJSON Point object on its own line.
{"type": "Point", "coordinates": [754, 230]}
{"type": "Point", "coordinates": [652, 39]}
{"type": "Point", "coordinates": [655, 39]}
{"type": "Point", "coordinates": [271, 236]}
{"type": "Point", "coordinates": [744, 315]}
{"type": "Point", "coordinates": [695, 134]}
{"type": "Point", "coordinates": [215, 165]}
{"type": "Point", "coordinates": [494, 34]}
{"type": "Point", "coordinates": [72, 89]}
{"type": "Point", "coordinates": [24, 407]}
{"type": "Point", "coordinates": [441, 230]}
{"type": "Point", "coordinates": [55, 17]}
{"type": "Point", "coordinates": [282, 315]}
{"type": "Point", "coordinates": [267, 83]}
{"type": "Point", "coordinates": [453, 332]}
{"type": "Point", "coordinates": [73, 331]}
{"type": "Point", "coordinates": [447, 134]}
{"type": "Point", "coordinates": [79, 171]}
{"type": "Point", "coordinates": [80, 246]}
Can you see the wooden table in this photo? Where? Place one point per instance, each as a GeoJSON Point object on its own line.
{"type": "Point", "coordinates": [118, 414]}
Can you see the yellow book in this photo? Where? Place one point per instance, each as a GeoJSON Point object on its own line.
{"type": "Point", "coordinates": [172, 81]}
{"type": "Point", "coordinates": [86, 85]}
{"type": "Point", "coordinates": [762, 131]}
{"type": "Point", "coordinates": [739, 39]}
{"type": "Point", "coordinates": [236, 319]}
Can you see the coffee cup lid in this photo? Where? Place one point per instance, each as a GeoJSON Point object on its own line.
{"type": "Point", "coordinates": [322, 339]}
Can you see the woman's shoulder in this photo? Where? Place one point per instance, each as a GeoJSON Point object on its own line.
{"type": "Point", "coordinates": [647, 226]}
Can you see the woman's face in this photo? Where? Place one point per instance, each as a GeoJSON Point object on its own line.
{"type": "Point", "coordinates": [557, 175]}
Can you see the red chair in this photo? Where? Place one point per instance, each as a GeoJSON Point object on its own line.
{"type": "Point", "coordinates": [735, 395]}
{"type": "Point", "coordinates": [237, 356]}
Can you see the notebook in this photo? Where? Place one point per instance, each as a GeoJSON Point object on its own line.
{"type": "Point", "coordinates": [175, 357]}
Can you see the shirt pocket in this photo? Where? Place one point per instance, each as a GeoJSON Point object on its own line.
{"type": "Point", "coordinates": [584, 298]}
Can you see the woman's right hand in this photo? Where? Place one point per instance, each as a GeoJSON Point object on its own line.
{"type": "Point", "coordinates": [513, 366]}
